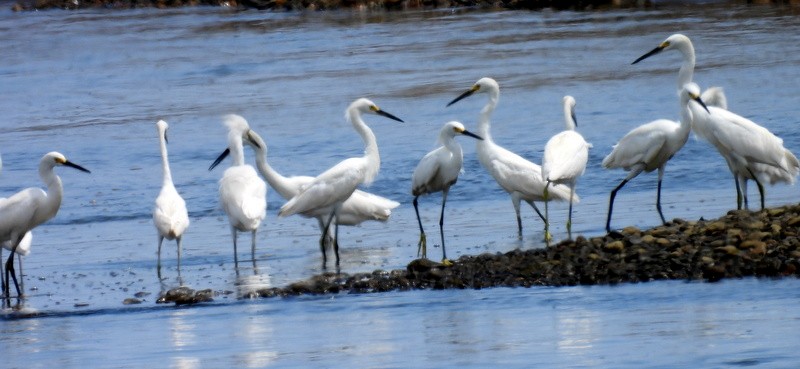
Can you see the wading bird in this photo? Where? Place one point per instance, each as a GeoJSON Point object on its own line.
{"type": "Point", "coordinates": [333, 187]}
{"type": "Point", "coordinates": [565, 158]}
{"type": "Point", "coordinates": [169, 215]}
{"type": "Point", "coordinates": [23, 249]}
{"type": "Point", "coordinates": [242, 194]}
{"type": "Point", "coordinates": [751, 151]}
{"type": "Point", "coordinates": [519, 177]}
{"type": "Point", "coordinates": [31, 207]}
{"type": "Point", "coordinates": [437, 171]}
{"type": "Point", "coordinates": [650, 146]}
{"type": "Point", "coordinates": [361, 206]}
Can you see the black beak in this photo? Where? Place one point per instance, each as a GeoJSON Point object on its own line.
{"type": "Point", "coordinates": [465, 94]}
{"type": "Point", "coordinates": [699, 101]}
{"type": "Point", "coordinates": [649, 54]}
{"type": "Point", "coordinates": [76, 166]}
{"type": "Point", "coordinates": [387, 115]}
{"type": "Point", "coordinates": [470, 134]}
{"type": "Point", "coordinates": [220, 158]}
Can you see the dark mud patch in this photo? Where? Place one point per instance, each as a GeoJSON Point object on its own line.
{"type": "Point", "coordinates": [740, 244]}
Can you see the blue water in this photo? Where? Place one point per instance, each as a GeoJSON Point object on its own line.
{"type": "Point", "coordinates": [92, 84]}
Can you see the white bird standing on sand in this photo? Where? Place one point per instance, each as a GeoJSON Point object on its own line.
{"type": "Point", "coordinates": [23, 249]}
{"type": "Point", "coordinates": [31, 207]}
{"type": "Point", "coordinates": [519, 177]}
{"type": "Point", "coordinates": [650, 146]}
{"type": "Point", "coordinates": [713, 96]}
{"type": "Point", "coordinates": [437, 171]}
{"type": "Point", "coordinates": [361, 206]}
{"type": "Point", "coordinates": [565, 158]}
{"type": "Point", "coordinates": [330, 189]}
{"type": "Point", "coordinates": [751, 151]}
{"type": "Point", "coordinates": [242, 194]}
{"type": "Point", "coordinates": [169, 215]}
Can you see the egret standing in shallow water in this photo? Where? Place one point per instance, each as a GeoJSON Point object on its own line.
{"type": "Point", "coordinates": [361, 206]}
{"type": "Point", "coordinates": [169, 215]}
{"type": "Point", "coordinates": [333, 187]}
{"type": "Point", "coordinates": [751, 151]}
{"type": "Point", "coordinates": [519, 177]}
{"type": "Point", "coordinates": [565, 158]}
{"type": "Point", "coordinates": [437, 171]}
{"type": "Point", "coordinates": [650, 146]}
{"type": "Point", "coordinates": [242, 194]}
{"type": "Point", "coordinates": [713, 96]}
{"type": "Point", "coordinates": [31, 207]}
{"type": "Point", "coordinates": [23, 249]}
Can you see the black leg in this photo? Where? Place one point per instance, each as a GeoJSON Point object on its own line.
{"type": "Point", "coordinates": [322, 239]}
{"type": "Point", "coordinates": [611, 203]}
{"type": "Point", "coordinates": [658, 196]}
{"type": "Point", "coordinates": [422, 244]}
{"type": "Point", "coordinates": [441, 222]}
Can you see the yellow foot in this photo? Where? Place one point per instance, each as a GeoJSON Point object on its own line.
{"type": "Point", "coordinates": [547, 236]}
{"type": "Point", "coordinates": [447, 262]}
{"type": "Point", "coordinates": [422, 246]}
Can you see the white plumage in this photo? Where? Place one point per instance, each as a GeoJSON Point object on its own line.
{"type": "Point", "coordinates": [565, 158]}
{"type": "Point", "coordinates": [330, 189]}
{"type": "Point", "coordinates": [519, 177]}
{"type": "Point", "coordinates": [170, 216]}
{"type": "Point", "coordinates": [31, 207]}
{"type": "Point", "coordinates": [751, 151]}
{"type": "Point", "coordinates": [243, 195]}
{"type": "Point", "coordinates": [649, 147]}
{"type": "Point", "coordinates": [437, 171]}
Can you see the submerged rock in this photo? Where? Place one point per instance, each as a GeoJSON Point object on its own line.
{"type": "Point", "coordinates": [184, 295]}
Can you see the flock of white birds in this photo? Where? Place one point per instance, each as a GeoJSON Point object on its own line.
{"type": "Point", "coordinates": [333, 197]}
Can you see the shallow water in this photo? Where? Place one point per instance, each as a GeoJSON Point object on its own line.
{"type": "Point", "coordinates": [91, 85]}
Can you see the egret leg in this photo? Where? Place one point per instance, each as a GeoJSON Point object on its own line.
{"type": "Point", "coordinates": [633, 173]}
{"type": "Point", "coordinates": [515, 200]}
{"type": "Point", "coordinates": [235, 254]}
{"type": "Point", "coordinates": [10, 270]}
{"type": "Point", "coordinates": [569, 216]}
{"type": "Point", "coordinates": [536, 209]}
{"type": "Point", "coordinates": [441, 227]}
{"type": "Point", "coordinates": [322, 239]}
{"type": "Point", "coordinates": [2, 275]}
{"type": "Point", "coordinates": [253, 245]}
{"type": "Point", "coordinates": [547, 236]}
{"type": "Point", "coordinates": [658, 195]}
{"type": "Point", "coordinates": [158, 264]}
{"type": "Point", "coordinates": [422, 245]}
{"type": "Point", "coordinates": [336, 235]}
{"type": "Point", "coordinates": [21, 274]}
{"type": "Point", "coordinates": [739, 197]}
{"type": "Point", "coordinates": [179, 255]}
{"type": "Point", "coordinates": [761, 192]}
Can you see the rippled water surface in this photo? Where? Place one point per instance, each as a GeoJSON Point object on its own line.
{"type": "Point", "coordinates": [91, 85]}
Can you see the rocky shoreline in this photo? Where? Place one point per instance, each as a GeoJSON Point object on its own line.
{"type": "Point", "coordinates": [740, 244]}
{"type": "Point", "coordinates": [293, 5]}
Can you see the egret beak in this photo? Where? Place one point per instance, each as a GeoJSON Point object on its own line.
{"type": "Point", "coordinates": [220, 158]}
{"type": "Point", "coordinates": [465, 94]}
{"type": "Point", "coordinates": [76, 166]}
{"type": "Point", "coordinates": [649, 54]}
{"type": "Point", "coordinates": [387, 115]}
{"type": "Point", "coordinates": [470, 134]}
{"type": "Point", "coordinates": [249, 138]}
{"type": "Point", "coordinates": [700, 101]}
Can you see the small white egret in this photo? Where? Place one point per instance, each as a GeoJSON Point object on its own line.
{"type": "Point", "coordinates": [650, 146]}
{"type": "Point", "coordinates": [23, 249]}
{"type": "Point", "coordinates": [565, 158]}
{"type": "Point", "coordinates": [169, 215]}
{"type": "Point", "coordinates": [519, 177]}
{"type": "Point", "coordinates": [713, 96]}
{"type": "Point", "coordinates": [751, 151]}
{"type": "Point", "coordinates": [330, 189]}
{"type": "Point", "coordinates": [31, 207]}
{"type": "Point", "coordinates": [242, 193]}
{"type": "Point", "coordinates": [437, 171]}
{"type": "Point", "coordinates": [361, 206]}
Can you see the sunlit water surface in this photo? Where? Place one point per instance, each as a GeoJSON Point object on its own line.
{"type": "Point", "coordinates": [91, 85]}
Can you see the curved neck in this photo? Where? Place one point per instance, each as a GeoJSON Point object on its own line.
{"type": "Point", "coordinates": [569, 117]}
{"type": "Point", "coordinates": [276, 180]}
{"type": "Point", "coordinates": [686, 116]}
{"type": "Point", "coordinates": [450, 143]}
{"type": "Point", "coordinates": [55, 192]}
{"type": "Point", "coordinates": [371, 153]}
{"type": "Point", "coordinates": [165, 159]}
{"type": "Point", "coordinates": [486, 116]}
{"type": "Point", "coordinates": [237, 150]}
{"type": "Point", "coordinates": [686, 73]}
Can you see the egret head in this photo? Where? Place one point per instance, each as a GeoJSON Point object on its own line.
{"type": "Point", "coordinates": [162, 127]}
{"type": "Point", "coordinates": [691, 91]}
{"type": "Point", "coordinates": [53, 159]}
{"type": "Point", "coordinates": [484, 84]}
{"type": "Point", "coordinates": [364, 105]}
{"type": "Point", "coordinates": [676, 41]}
{"type": "Point", "coordinates": [569, 108]}
{"type": "Point", "coordinates": [454, 128]}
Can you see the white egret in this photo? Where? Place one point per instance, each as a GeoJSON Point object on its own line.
{"type": "Point", "coordinates": [330, 189]}
{"type": "Point", "coordinates": [169, 215]}
{"type": "Point", "coordinates": [31, 207]}
{"type": "Point", "coordinates": [751, 151]}
{"type": "Point", "coordinates": [242, 193]}
{"type": "Point", "coordinates": [437, 171]}
{"type": "Point", "coordinates": [23, 249]}
{"type": "Point", "coordinates": [361, 206]}
{"type": "Point", "coordinates": [713, 96]}
{"type": "Point", "coordinates": [519, 177]}
{"type": "Point", "coordinates": [565, 158]}
{"type": "Point", "coordinates": [650, 146]}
